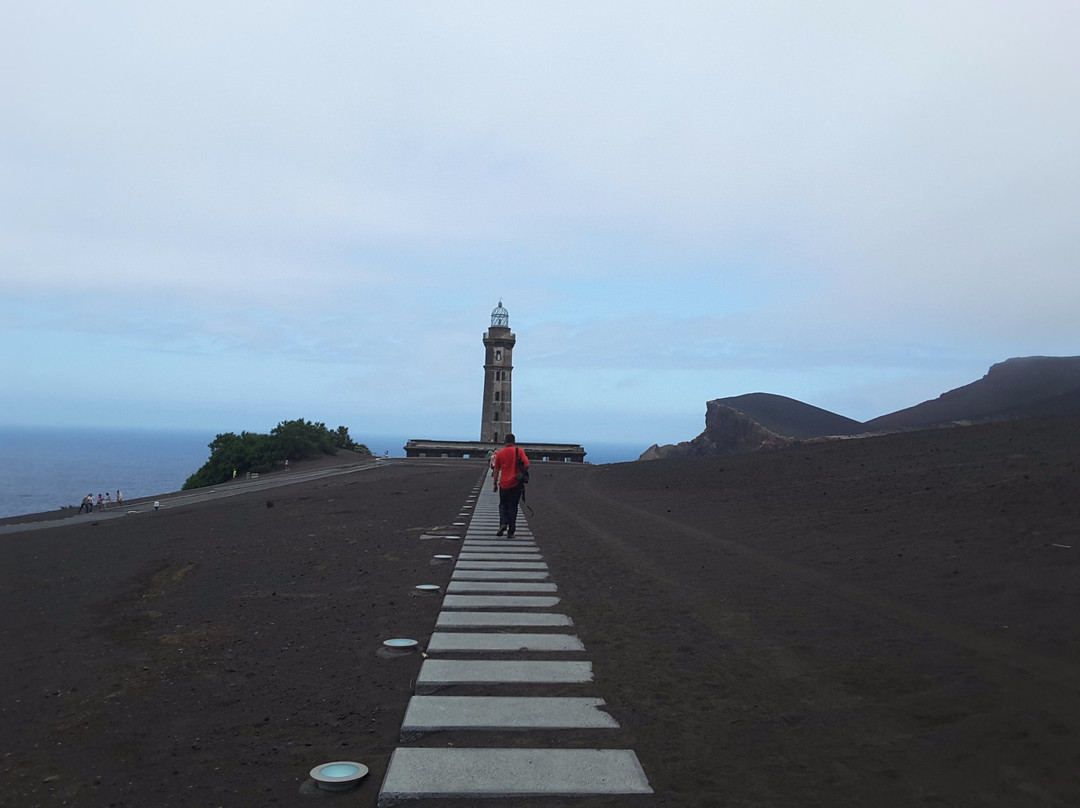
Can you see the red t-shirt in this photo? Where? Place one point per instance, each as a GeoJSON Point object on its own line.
{"type": "Point", "coordinates": [507, 460]}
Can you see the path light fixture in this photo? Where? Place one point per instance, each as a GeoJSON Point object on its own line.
{"type": "Point", "coordinates": [340, 775]}
{"type": "Point", "coordinates": [397, 647]}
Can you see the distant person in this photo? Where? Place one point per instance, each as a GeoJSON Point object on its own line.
{"type": "Point", "coordinates": [101, 500]}
{"type": "Point", "coordinates": [119, 498]}
{"type": "Point", "coordinates": [87, 504]}
{"type": "Point", "coordinates": [508, 462]}
{"type": "Point", "coordinates": [108, 500]}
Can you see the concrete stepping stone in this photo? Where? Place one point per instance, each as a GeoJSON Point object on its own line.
{"type": "Point", "coordinates": [419, 773]}
{"type": "Point", "coordinates": [499, 602]}
{"type": "Point", "coordinates": [501, 565]}
{"type": "Point", "coordinates": [502, 619]}
{"type": "Point", "coordinates": [494, 541]}
{"type": "Point", "coordinates": [517, 547]}
{"type": "Point", "coordinates": [440, 713]}
{"type": "Point", "coordinates": [497, 575]}
{"type": "Point", "coordinates": [464, 556]}
{"type": "Point", "coordinates": [442, 642]}
{"type": "Point", "coordinates": [500, 587]}
{"type": "Point", "coordinates": [440, 672]}
{"type": "Point", "coordinates": [530, 549]}
{"type": "Point", "coordinates": [512, 553]}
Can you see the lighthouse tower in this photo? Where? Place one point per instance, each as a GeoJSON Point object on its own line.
{"type": "Point", "coordinates": [498, 365]}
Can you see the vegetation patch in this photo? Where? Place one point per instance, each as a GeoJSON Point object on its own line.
{"type": "Point", "coordinates": [232, 454]}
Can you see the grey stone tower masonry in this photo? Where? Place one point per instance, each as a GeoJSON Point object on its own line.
{"type": "Point", "coordinates": [498, 365]}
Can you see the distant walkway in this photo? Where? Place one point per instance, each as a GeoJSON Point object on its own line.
{"type": "Point", "coordinates": [195, 496]}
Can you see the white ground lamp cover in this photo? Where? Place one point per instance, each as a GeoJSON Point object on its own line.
{"type": "Point", "coordinates": [338, 775]}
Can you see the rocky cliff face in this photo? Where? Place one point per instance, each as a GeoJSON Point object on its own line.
{"type": "Point", "coordinates": [1024, 387]}
{"type": "Point", "coordinates": [1028, 387]}
{"type": "Point", "coordinates": [727, 432]}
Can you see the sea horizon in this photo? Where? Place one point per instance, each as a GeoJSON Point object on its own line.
{"type": "Point", "coordinates": [48, 468]}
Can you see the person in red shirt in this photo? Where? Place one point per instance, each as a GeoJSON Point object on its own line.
{"type": "Point", "coordinates": [509, 460]}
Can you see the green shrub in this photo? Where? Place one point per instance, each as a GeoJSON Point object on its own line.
{"type": "Point", "coordinates": [251, 451]}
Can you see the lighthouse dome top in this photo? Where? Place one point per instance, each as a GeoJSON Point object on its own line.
{"type": "Point", "coordinates": [500, 316]}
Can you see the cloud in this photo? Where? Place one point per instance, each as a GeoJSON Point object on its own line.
{"type": "Point", "coordinates": [802, 196]}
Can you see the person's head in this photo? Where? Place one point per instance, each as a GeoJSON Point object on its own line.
{"type": "Point", "coordinates": [509, 438]}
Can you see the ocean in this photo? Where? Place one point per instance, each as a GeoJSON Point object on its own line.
{"type": "Point", "coordinates": [43, 469]}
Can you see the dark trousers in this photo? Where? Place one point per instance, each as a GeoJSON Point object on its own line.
{"type": "Point", "coordinates": [508, 506]}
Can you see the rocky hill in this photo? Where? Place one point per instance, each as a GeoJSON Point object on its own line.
{"type": "Point", "coordinates": [791, 418]}
{"type": "Point", "coordinates": [727, 431]}
{"type": "Point", "coordinates": [1028, 387]}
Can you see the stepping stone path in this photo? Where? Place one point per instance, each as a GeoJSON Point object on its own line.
{"type": "Point", "coordinates": [499, 605]}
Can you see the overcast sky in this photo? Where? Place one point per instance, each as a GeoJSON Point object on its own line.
{"type": "Point", "coordinates": [221, 215]}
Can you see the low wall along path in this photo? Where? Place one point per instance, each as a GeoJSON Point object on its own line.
{"type": "Point", "coordinates": [500, 604]}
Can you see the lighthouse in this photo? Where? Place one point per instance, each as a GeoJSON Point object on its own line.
{"type": "Point", "coordinates": [497, 413]}
{"type": "Point", "coordinates": [498, 368]}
